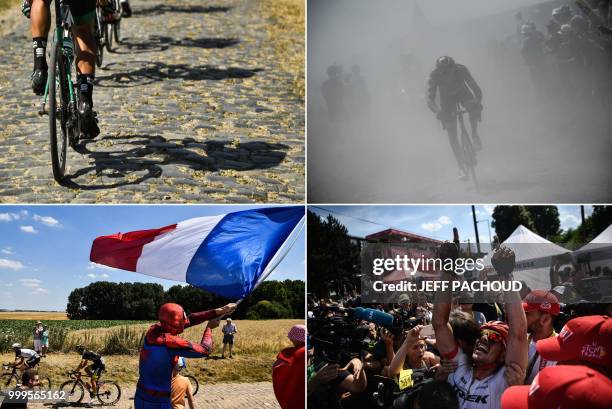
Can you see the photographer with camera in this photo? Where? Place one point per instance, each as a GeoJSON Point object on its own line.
{"type": "Point", "coordinates": [499, 358]}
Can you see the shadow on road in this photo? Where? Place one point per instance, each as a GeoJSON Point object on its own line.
{"type": "Point", "coordinates": [146, 153]}
{"type": "Point", "coordinates": [154, 71]}
{"type": "Point", "coordinates": [165, 8]}
{"type": "Point", "coordinates": [161, 43]}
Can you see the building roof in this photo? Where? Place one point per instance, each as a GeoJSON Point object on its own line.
{"type": "Point", "coordinates": [393, 235]}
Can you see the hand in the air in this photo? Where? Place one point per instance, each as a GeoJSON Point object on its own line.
{"type": "Point", "coordinates": [503, 261]}
{"type": "Point", "coordinates": [227, 309]}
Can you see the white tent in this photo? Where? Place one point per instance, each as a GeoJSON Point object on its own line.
{"type": "Point", "coordinates": [533, 257]}
{"type": "Point", "coordinates": [598, 252]}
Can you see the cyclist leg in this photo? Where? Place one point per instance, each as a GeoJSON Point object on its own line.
{"type": "Point", "coordinates": [127, 10]}
{"type": "Point", "coordinates": [449, 123]}
{"type": "Point", "coordinates": [40, 23]}
{"type": "Point", "coordinates": [84, 13]}
{"type": "Point", "coordinates": [474, 112]}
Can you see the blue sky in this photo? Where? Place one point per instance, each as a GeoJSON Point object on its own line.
{"type": "Point", "coordinates": [432, 221]}
{"type": "Point", "coordinates": [44, 250]}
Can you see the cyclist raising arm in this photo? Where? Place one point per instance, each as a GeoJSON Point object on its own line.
{"type": "Point", "coordinates": [94, 370]}
{"type": "Point", "coordinates": [83, 13]}
{"type": "Point", "coordinates": [500, 354]}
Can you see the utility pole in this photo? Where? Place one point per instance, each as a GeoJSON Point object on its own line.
{"type": "Point", "coordinates": [476, 228]}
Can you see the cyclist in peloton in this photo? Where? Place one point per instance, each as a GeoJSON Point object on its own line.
{"type": "Point", "coordinates": [24, 357]}
{"type": "Point", "coordinates": [456, 86]}
{"type": "Point", "coordinates": [94, 370]}
{"type": "Point", "coordinates": [83, 13]}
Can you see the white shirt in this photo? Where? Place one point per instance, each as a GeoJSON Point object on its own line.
{"type": "Point", "coordinates": [536, 366]}
{"type": "Point", "coordinates": [473, 393]}
{"type": "Point", "coordinates": [26, 353]}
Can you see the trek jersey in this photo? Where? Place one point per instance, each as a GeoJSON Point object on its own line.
{"type": "Point", "coordinates": [159, 354]}
{"type": "Point", "coordinates": [536, 363]}
{"type": "Point", "coordinates": [93, 357]}
{"type": "Point", "coordinates": [473, 393]}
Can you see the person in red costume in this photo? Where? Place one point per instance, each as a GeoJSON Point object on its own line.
{"type": "Point", "coordinates": [288, 372]}
{"type": "Point", "coordinates": [163, 346]}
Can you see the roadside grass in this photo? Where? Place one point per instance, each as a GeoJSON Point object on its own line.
{"type": "Point", "coordinates": [256, 346]}
{"type": "Point", "coordinates": [7, 4]}
{"type": "Point", "coordinates": [286, 33]}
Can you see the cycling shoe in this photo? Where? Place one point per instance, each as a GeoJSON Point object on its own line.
{"type": "Point", "coordinates": [89, 122]}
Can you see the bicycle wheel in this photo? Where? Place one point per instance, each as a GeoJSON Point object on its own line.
{"type": "Point", "coordinates": [194, 384]}
{"type": "Point", "coordinates": [109, 392]}
{"type": "Point", "coordinates": [117, 30]}
{"type": "Point", "coordinates": [100, 36]}
{"type": "Point", "coordinates": [73, 391]}
{"type": "Point", "coordinates": [44, 383]}
{"type": "Point", "coordinates": [8, 382]}
{"type": "Point", "coordinates": [108, 36]}
{"type": "Point", "coordinates": [58, 111]}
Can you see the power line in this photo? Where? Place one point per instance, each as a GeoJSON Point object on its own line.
{"type": "Point", "coordinates": [355, 217]}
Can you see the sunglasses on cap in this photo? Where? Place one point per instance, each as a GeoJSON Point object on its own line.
{"type": "Point", "coordinates": [493, 336]}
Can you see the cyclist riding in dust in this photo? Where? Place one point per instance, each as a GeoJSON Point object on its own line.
{"type": "Point", "coordinates": [94, 370]}
{"type": "Point", "coordinates": [83, 13]}
{"type": "Point", "coordinates": [456, 87]}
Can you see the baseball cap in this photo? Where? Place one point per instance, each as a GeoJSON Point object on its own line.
{"type": "Point", "coordinates": [540, 300]}
{"type": "Point", "coordinates": [587, 339]}
{"type": "Point", "coordinates": [561, 387]}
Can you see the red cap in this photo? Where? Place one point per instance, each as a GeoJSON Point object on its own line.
{"type": "Point", "coordinates": [540, 300]}
{"type": "Point", "coordinates": [561, 387]}
{"type": "Point", "coordinates": [587, 339]}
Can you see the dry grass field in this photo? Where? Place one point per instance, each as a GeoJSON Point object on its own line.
{"type": "Point", "coordinates": [255, 349]}
{"type": "Point", "coordinates": [33, 315]}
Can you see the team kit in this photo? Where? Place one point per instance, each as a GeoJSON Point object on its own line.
{"type": "Point", "coordinates": [413, 212]}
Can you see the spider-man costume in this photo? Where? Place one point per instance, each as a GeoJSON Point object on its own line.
{"type": "Point", "coordinates": [160, 351]}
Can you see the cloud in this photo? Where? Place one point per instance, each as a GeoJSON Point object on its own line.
{"type": "Point", "coordinates": [9, 217]}
{"type": "Point", "coordinates": [6, 217]}
{"type": "Point", "coordinates": [489, 208]}
{"type": "Point", "coordinates": [30, 282]}
{"type": "Point", "coordinates": [47, 221]}
{"type": "Point", "coordinates": [8, 284]}
{"type": "Point", "coordinates": [431, 227]}
{"type": "Point", "coordinates": [444, 220]}
{"type": "Point", "coordinates": [40, 290]}
{"type": "Point", "coordinates": [568, 221]}
{"type": "Point", "coordinates": [94, 276]}
{"type": "Point", "coordinates": [8, 251]}
{"type": "Point", "coordinates": [28, 229]}
{"type": "Point", "coordinates": [93, 266]}
{"type": "Point", "coordinates": [11, 264]}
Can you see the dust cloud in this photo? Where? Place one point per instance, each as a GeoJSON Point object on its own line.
{"type": "Point", "coordinates": [546, 139]}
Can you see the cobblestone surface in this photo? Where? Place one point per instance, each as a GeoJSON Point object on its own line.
{"type": "Point", "coordinates": [218, 396]}
{"type": "Point", "coordinates": [193, 105]}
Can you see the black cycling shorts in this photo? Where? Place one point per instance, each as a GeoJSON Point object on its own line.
{"type": "Point", "coordinates": [33, 361]}
{"type": "Point", "coordinates": [83, 11]}
{"type": "Point", "coordinates": [97, 368]}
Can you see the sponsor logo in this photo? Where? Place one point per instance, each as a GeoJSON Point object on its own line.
{"type": "Point", "coordinates": [545, 306]}
{"type": "Point", "coordinates": [470, 397]}
{"type": "Point", "coordinates": [593, 351]}
{"type": "Point", "coordinates": [565, 333]}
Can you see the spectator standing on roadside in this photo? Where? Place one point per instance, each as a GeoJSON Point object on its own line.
{"type": "Point", "coordinates": [228, 330]}
{"type": "Point", "coordinates": [288, 372]}
{"type": "Point", "coordinates": [37, 335]}
{"type": "Point", "coordinates": [180, 387]}
{"type": "Point", "coordinates": [44, 339]}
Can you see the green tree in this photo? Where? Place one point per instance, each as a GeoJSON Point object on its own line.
{"type": "Point", "coordinates": [265, 309]}
{"type": "Point", "coordinates": [332, 258]}
{"type": "Point", "coordinates": [545, 220]}
{"type": "Point", "coordinates": [507, 218]}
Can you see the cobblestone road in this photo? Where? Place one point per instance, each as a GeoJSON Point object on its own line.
{"type": "Point", "coordinates": [194, 107]}
{"type": "Point", "coordinates": [218, 396]}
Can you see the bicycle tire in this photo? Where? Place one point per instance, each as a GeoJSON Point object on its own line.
{"type": "Point", "coordinates": [108, 37]}
{"type": "Point", "coordinates": [58, 154]}
{"type": "Point", "coordinates": [195, 385]}
{"type": "Point", "coordinates": [117, 31]}
{"type": "Point", "coordinates": [107, 391]}
{"type": "Point", "coordinates": [44, 383]}
{"type": "Point", "coordinates": [8, 382]}
{"type": "Point", "coordinates": [74, 391]}
{"type": "Point", "coordinates": [100, 34]}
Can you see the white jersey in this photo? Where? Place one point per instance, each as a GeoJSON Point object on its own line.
{"type": "Point", "coordinates": [26, 353]}
{"type": "Point", "coordinates": [537, 365]}
{"type": "Point", "coordinates": [473, 393]}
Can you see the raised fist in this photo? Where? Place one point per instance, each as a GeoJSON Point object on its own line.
{"type": "Point", "coordinates": [503, 261]}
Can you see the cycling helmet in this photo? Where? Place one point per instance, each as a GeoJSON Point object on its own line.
{"type": "Point", "coordinates": [79, 348]}
{"type": "Point", "coordinates": [172, 318]}
{"type": "Point", "coordinates": [562, 14]}
{"type": "Point", "coordinates": [16, 345]}
{"type": "Point", "coordinates": [445, 62]}
{"type": "Point", "coordinates": [181, 364]}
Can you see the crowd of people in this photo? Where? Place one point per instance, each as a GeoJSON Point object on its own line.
{"type": "Point", "coordinates": [450, 352]}
{"type": "Point", "coordinates": [570, 58]}
{"type": "Point", "coordinates": [345, 94]}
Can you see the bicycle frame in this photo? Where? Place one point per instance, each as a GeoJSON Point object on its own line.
{"type": "Point", "coordinates": [62, 34]}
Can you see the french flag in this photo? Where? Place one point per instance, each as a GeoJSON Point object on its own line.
{"type": "Point", "coordinates": [229, 254]}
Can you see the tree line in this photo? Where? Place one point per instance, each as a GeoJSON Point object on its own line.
{"type": "Point", "coordinates": [103, 300]}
